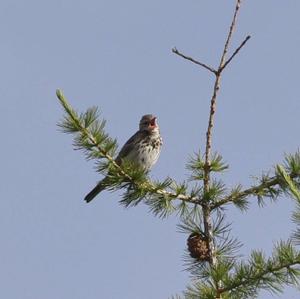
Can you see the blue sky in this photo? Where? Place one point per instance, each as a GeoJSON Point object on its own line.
{"type": "Point", "coordinates": [117, 55]}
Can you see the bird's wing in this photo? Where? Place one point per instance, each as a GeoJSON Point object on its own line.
{"type": "Point", "coordinates": [128, 146]}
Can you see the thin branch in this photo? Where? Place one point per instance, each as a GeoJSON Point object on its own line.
{"type": "Point", "coordinates": [250, 191]}
{"type": "Point", "coordinates": [209, 68]}
{"type": "Point", "coordinates": [229, 36]}
{"type": "Point", "coordinates": [236, 51]}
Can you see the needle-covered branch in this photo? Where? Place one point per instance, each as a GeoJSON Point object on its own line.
{"type": "Point", "coordinates": [259, 272]}
{"type": "Point", "coordinates": [244, 279]}
{"type": "Point", "coordinates": [96, 144]}
{"type": "Point", "coordinates": [285, 180]}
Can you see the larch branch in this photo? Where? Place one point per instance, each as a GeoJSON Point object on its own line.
{"type": "Point", "coordinates": [259, 276]}
{"type": "Point", "coordinates": [250, 191]}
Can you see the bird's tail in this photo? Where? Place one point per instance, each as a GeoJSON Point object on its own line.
{"type": "Point", "coordinates": [99, 187]}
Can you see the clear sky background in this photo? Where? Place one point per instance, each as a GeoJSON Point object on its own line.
{"type": "Point", "coordinates": [117, 55]}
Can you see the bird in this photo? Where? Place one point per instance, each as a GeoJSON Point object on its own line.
{"type": "Point", "coordinates": [142, 149]}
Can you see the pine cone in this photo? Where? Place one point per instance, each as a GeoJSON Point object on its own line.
{"type": "Point", "coordinates": [197, 246]}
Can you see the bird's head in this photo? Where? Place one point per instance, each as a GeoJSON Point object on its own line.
{"type": "Point", "coordinates": [148, 123]}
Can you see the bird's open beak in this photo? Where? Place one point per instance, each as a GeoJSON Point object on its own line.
{"type": "Point", "coordinates": [153, 123]}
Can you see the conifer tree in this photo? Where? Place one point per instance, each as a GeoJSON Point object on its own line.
{"type": "Point", "coordinates": [213, 258]}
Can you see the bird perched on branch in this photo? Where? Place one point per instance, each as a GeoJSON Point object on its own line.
{"type": "Point", "coordinates": [143, 149]}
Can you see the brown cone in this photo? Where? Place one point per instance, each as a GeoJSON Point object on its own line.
{"type": "Point", "coordinates": [197, 246]}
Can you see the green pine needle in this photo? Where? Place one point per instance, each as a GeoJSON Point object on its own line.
{"type": "Point", "coordinates": [287, 179]}
{"type": "Point", "coordinates": [196, 165]}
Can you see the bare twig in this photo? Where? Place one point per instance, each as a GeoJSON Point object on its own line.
{"type": "Point", "coordinates": [236, 51]}
{"type": "Point", "coordinates": [209, 68]}
{"type": "Point", "coordinates": [214, 96]}
{"type": "Point", "coordinates": [229, 36]}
